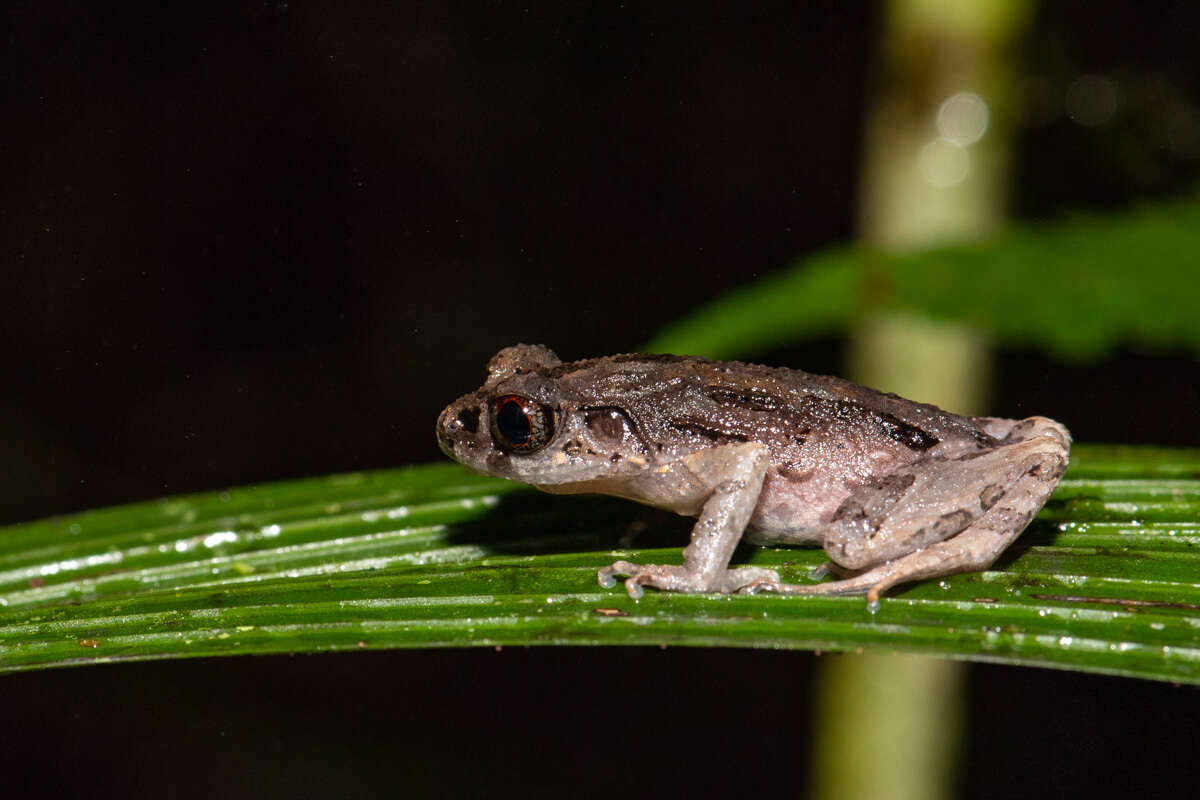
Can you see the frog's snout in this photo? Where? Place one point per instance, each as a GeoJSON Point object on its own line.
{"type": "Point", "coordinates": [457, 424]}
{"type": "Point", "coordinates": [443, 438]}
{"type": "Point", "coordinates": [445, 434]}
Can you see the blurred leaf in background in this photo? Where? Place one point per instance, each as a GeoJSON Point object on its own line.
{"type": "Point", "coordinates": [1078, 287]}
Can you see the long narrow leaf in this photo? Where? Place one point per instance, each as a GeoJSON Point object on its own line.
{"type": "Point", "coordinates": [1107, 579]}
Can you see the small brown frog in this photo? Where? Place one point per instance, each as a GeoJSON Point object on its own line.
{"type": "Point", "coordinates": [893, 490]}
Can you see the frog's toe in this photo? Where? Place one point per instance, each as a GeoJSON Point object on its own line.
{"type": "Point", "coordinates": [820, 571]}
{"type": "Point", "coordinates": [873, 599]}
{"type": "Point", "coordinates": [634, 587]}
{"type": "Point", "coordinates": [749, 580]}
{"type": "Point", "coordinates": [607, 576]}
{"type": "Point", "coordinates": [636, 577]}
{"type": "Point", "coordinates": [761, 586]}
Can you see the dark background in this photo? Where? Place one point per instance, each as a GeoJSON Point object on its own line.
{"type": "Point", "coordinates": [267, 240]}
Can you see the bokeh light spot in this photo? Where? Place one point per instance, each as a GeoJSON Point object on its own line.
{"type": "Point", "coordinates": [1183, 132]}
{"type": "Point", "coordinates": [944, 163]}
{"type": "Point", "coordinates": [1093, 100]}
{"type": "Point", "coordinates": [963, 118]}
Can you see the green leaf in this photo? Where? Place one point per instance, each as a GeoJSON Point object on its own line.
{"type": "Point", "coordinates": [1107, 579]}
{"type": "Point", "coordinates": [1077, 287]}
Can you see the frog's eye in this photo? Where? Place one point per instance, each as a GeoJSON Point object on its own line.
{"type": "Point", "coordinates": [521, 425]}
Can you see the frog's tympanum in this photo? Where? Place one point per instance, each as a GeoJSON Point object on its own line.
{"type": "Point", "coordinates": [893, 490]}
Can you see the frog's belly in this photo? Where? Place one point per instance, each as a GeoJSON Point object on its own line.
{"type": "Point", "coordinates": [791, 510]}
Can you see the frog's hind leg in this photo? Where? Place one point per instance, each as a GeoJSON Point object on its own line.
{"type": "Point", "coordinates": [951, 516]}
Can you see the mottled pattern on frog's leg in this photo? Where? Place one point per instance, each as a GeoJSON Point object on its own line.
{"type": "Point", "coordinates": [973, 549]}
{"type": "Point", "coordinates": [723, 519]}
{"type": "Point", "coordinates": [908, 511]}
{"type": "Point", "coordinates": [1036, 462]}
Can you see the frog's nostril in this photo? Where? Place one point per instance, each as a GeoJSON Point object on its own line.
{"type": "Point", "coordinates": [447, 426]}
{"type": "Point", "coordinates": [444, 441]}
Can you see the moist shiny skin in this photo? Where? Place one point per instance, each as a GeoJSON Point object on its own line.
{"type": "Point", "coordinates": [891, 488]}
{"type": "Point", "coordinates": [825, 435]}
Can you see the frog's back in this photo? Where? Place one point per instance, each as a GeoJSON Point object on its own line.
{"type": "Point", "coordinates": [679, 403]}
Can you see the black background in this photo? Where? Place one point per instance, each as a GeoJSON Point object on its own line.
{"type": "Point", "coordinates": [267, 240]}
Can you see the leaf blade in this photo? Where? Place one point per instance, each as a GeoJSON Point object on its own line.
{"type": "Point", "coordinates": [1094, 585]}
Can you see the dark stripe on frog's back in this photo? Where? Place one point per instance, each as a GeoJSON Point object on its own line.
{"type": "Point", "coordinates": [745, 399]}
{"type": "Point", "coordinates": [721, 413]}
{"type": "Point", "coordinates": [715, 433]}
{"type": "Point", "coordinates": [812, 408]}
{"type": "Point", "coordinates": [918, 426]}
{"type": "Point", "coordinates": [792, 423]}
{"type": "Point", "coordinates": [910, 436]}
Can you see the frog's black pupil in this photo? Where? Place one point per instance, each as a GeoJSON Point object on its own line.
{"type": "Point", "coordinates": [513, 423]}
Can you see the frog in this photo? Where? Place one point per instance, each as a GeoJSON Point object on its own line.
{"type": "Point", "coordinates": [894, 490]}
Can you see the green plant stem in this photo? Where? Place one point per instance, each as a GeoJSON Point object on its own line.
{"type": "Point", "coordinates": [908, 747]}
{"type": "Point", "coordinates": [883, 722]}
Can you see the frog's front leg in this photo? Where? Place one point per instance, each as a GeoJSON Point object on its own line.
{"type": "Point", "coordinates": [731, 478]}
{"type": "Point", "coordinates": [942, 517]}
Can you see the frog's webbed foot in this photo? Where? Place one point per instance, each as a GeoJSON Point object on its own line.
{"type": "Point", "coordinates": [680, 579]}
